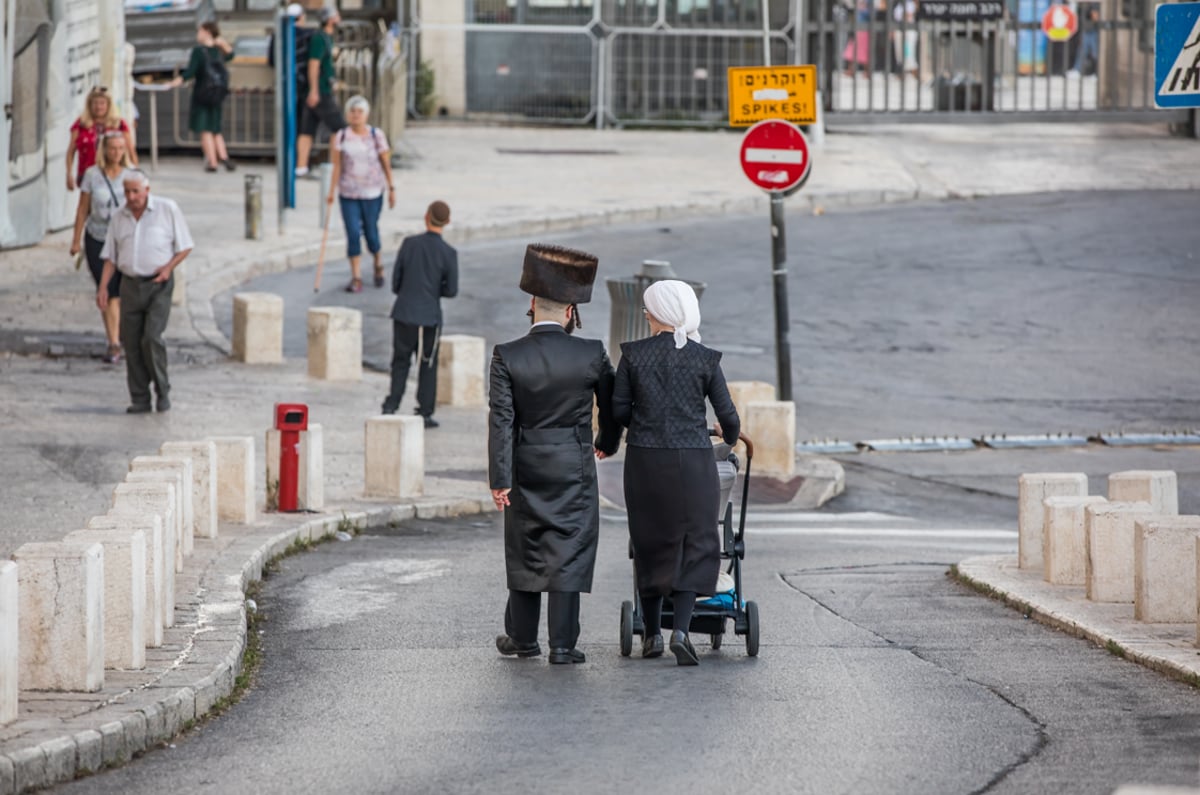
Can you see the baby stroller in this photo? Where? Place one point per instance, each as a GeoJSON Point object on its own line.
{"type": "Point", "coordinates": [710, 615]}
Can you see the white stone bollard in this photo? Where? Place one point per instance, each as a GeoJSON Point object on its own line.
{"type": "Point", "coordinates": [203, 456]}
{"type": "Point", "coordinates": [743, 393]}
{"type": "Point", "coordinates": [1032, 489]}
{"type": "Point", "coordinates": [1157, 487]}
{"type": "Point", "coordinates": [140, 501]}
{"type": "Point", "coordinates": [461, 371]}
{"type": "Point", "coordinates": [395, 456]}
{"type": "Point", "coordinates": [124, 594]}
{"type": "Point", "coordinates": [1108, 527]}
{"type": "Point", "coordinates": [1064, 543]}
{"type": "Point", "coordinates": [258, 328]}
{"type": "Point", "coordinates": [177, 471]}
{"type": "Point", "coordinates": [61, 607]}
{"type": "Point", "coordinates": [771, 426]}
{"type": "Point", "coordinates": [235, 478]}
{"type": "Point", "coordinates": [335, 343]}
{"type": "Point", "coordinates": [155, 573]}
{"type": "Point", "coordinates": [10, 660]}
{"type": "Point", "coordinates": [1164, 569]}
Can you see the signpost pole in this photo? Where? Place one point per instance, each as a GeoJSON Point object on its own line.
{"type": "Point", "coordinates": [783, 348]}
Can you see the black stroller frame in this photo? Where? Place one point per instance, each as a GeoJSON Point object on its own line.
{"type": "Point", "coordinates": [709, 619]}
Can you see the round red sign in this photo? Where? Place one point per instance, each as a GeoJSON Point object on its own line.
{"type": "Point", "coordinates": [775, 156]}
{"type": "Point", "coordinates": [1059, 23]}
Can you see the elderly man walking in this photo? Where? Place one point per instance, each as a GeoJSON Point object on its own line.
{"type": "Point", "coordinates": [146, 241]}
{"type": "Point", "coordinates": [543, 476]}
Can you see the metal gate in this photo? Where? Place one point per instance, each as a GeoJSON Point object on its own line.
{"type": "Point", "coordinates": [663, 62]}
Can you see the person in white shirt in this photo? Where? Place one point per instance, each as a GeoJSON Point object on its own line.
{"type": "Point", "coordinates": [147, 239]}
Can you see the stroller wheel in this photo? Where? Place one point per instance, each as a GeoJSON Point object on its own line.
{"type": "Point", "coordinates": [626, 628]}
{"type": "Point", "coordinates": [716, 641]}
{"type": "Point", "coordinates": [752, 629]}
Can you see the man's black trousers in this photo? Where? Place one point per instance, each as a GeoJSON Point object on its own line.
{"type": "Point", "coordinates": [405, 341]}
{"type": "Point", "coordinates": [524, 611]}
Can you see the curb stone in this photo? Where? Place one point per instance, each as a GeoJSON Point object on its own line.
{"type": "Point", "coordinates": [116, 732]}
{"type": "Point", "coordinates": [1166, 648]}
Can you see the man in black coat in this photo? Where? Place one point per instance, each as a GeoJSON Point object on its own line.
{"type": "Point", "coordinates": [540, 447]}
{"type": "Point", "coordinates": [426, 271]}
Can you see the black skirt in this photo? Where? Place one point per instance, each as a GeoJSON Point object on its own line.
{"type": "Point", "coordinates": [671, 496]}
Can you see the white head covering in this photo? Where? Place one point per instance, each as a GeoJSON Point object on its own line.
{"type": "Point", "coordinates": [674, 303]}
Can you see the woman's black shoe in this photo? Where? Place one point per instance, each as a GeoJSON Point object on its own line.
{"type": "Point", "coordinates": [506, 645]}
{"type": "Point", "coordinates": [681, 647]}
{"type": "Point", "coordinates": [652, 646]}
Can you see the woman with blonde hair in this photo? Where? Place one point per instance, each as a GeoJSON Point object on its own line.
{"type": "Point", "coordinates": [362, 173]}
{"type": "Point", "coordinates": [99, 118]}
{"type": "Point", "coordinates": [671, 486]}
{"type": "Point", "coordinates": [102, 193]}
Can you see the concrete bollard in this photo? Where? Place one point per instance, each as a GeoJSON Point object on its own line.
{"type": "Point", "coordinates": [140, 501]}
{"type": "Point", "coordinates": [395, 456]}
{"type": "Point", "coordinates": [1108, 527]}
{"type": "Point", "coordinates": [1157, 487]}
{"type": "Point", "coordinates": [461, 371]}
{"type": "Point", "coordinates": [771, 425]}
{"type": "Point", "coordinates": [310, 488]}
{"type": "Point", "coordinates": [258, 328]}
{"type": "Point", "coordinates": [61, 608]}
{"type": "Point", "coordinates": [155, 573]}
{"type": "Point", "coordinates": [204, 482]}
{"type": "Point", "coordinates": [1064, 543]}
{"type": "Point", "coordinates": [1164, 569]}
{"type": "Point", "coordinates": [335, 343]}
{"type": "Point", "coordinates": [1032, 489]}
{"type": "Point", "coordinates": [743, 393]}
{"type": "Point", "coordinates": [124, 594]}
{"type": "Point", "coordinates": [235, 478]}
{"type": "Point", "coordinates": [178, 472]}
{"type": "Point", "coordinates": [10, 660]}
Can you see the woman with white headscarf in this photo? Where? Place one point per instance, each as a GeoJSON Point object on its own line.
{"type": "Point", "coordinates": [671, 486]}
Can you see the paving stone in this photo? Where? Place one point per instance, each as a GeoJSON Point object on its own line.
{"type": "Point", "coordinates": [60, 759]}
{"type": "Point", "coordinates": [89, 750]}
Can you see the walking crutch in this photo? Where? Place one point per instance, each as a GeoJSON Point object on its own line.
{"type": "Point", "coordinates": [321, 256]}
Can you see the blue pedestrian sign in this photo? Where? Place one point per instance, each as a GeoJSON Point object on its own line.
{"type": "Point", "coordinates": [1177, 55]}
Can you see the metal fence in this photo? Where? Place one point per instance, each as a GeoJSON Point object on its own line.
{"type": "Point", "coordinates": [657, 62]}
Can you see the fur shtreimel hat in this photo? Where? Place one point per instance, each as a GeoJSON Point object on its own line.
{"type": "Point", "coordinates": [558, 274]}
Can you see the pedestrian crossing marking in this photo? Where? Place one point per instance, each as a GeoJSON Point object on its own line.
{"type": "Point", "coordinates": [1177, 56]}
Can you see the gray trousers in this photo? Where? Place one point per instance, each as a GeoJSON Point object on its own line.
{"type": "Point", "coordinates": [145, 310]}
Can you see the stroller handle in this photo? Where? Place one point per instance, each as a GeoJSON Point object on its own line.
{"type": "Point", "coordinates": [743, 438]}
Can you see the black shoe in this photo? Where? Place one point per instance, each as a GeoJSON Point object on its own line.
{"type": "Point", "coordinates": [681, 647]}
{"type": "Point", "coordinates": [229, 165]}
{"type": "Point", "coordinates": [210, 169]}
{"type": "Point", "coordinates": [138, 410]}
{"type": "Point", "coordinates": [565, 656]}
{"type": "Point", "coordinates": [506, 645]}
{"type": "Point", "coordinates": [386, 409]}
{"type": "Point", "coordinates": [430, 422]}
{"type": "Point", "coordinates": [652, 646]}
{"type": "Point", "coordinates": [163, 404]}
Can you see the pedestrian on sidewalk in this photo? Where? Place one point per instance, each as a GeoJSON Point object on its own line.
{"type": "Point", "coordinates": [102, 193]}
{"type": "Point", "coordinates": [671, 486]}
{"type": "Point", "coordinates": [362, 174]}
{"type": "Point", "coordinates": [207, 68]}
{"type": "Point", "coordinates": [99, 118]}
{"type": "Point", "coordinates": [147, 239]}
{"type": "Point", "coordinates": [426, 271]}
{"type": "Point", "coordinates": [540, 447]}
{"type": "Point", "coordinates": [319, 106]}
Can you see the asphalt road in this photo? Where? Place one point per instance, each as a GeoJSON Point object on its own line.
{"type": "Point", "coordinates": [1025, 314]}
{"type": "Point", "coordinates": [877, 674]}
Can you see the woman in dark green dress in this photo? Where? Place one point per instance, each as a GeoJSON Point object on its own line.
{"type": "Point", "coordinates": [207, 68]}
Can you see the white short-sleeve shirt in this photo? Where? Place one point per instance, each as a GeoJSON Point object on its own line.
{"type": "Point", "coordinates": [139, 247]}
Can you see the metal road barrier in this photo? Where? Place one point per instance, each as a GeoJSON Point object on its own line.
{"type": "Point", "coordinates": [663, 62]}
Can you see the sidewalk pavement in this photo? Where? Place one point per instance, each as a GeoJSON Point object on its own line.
{"type": "Point", "coordinates": [67, 441]}
{"type": "Point", "coordinates": [1167, 648]}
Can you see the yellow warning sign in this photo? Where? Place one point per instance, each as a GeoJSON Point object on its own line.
{"type": "Point", "coordinates": [757, 93]}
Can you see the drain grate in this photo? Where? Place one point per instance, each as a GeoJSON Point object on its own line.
{"type": "Point", "coordinates": [1166, 437]}
{"type": "Point", "coordinates": [1007, 442]}
{"type": "Point", "coordinates": [569, 152]}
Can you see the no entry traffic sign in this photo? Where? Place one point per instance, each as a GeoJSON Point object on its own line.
{"type": "Point", "coordinates": [775, 156]}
